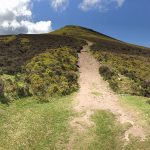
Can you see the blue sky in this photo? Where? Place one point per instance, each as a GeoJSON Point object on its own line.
{"type": "Point", "coordinates": [127, 20]}
{"type": "Point", "coordinates": [130, 22]}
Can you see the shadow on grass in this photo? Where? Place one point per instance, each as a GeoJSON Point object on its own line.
{"type": "Point", "coordinates": [4, 100]}
{"type": "Point", "coordinates": [148, 102]}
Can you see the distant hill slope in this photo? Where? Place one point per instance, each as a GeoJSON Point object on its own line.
{"type": "Point", "coordinates": [126, 66]}
{"type": "Point", "coordinates": [15, 51]}
{"type": "Point", "coordinates": [89, 34]}
{"type": "Point", "coordinates": [81, 32]}
{"type": "Point", "coordinates": [43, 57]}
{"type": "Point", "coordinates": [41, 65]}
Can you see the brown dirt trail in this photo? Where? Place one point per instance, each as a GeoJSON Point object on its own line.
{"type": "Point", "coordinates": [95, 94]}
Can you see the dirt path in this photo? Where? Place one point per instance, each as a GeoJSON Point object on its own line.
{"type": "Point", "coordinates": [95, 94]}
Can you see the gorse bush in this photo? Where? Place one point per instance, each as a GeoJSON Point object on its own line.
{"type": "Point", "coordinates": [52, 73]}
{"type": "Point", "coordinates": [110, 75]}
{"type": "Point", "coordinates": [133, 68]}
{"type": "Point", "coordinates": [16, 52]}
{"type": "Point", "coordinates": [130, 62]}
{"type": "Point", "coordinates": [11, 89]}
{"type": "Point", "coordinates": [107, 72]}
{"type": "Point", "coordinates": [1, 87]}
{"type": "Point", "coordinates": [43, 65]}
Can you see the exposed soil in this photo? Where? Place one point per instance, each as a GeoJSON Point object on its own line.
{"type": "Point", "coordinates": [95, 94]}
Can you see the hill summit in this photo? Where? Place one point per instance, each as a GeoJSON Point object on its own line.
{"type": "Point", "coordinates": [78, 31]}
{"type": "Point", "coordinates": [126, 66]}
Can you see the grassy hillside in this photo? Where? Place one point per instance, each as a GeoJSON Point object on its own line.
{"type": "Point", "coordinates": [38, 73]}
{"type": "Point", "coordinates": [34, 64]}
{"type": "Point", "coordinates": [38, 65]}
{"type": "Point", "coordinates": [125, 66]}
{"type": "Point", "coordinates": [82, 33]}
{"type": "Point", "coordinates": [15, 51]}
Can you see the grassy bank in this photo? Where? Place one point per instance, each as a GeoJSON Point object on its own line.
{"type": "Point", "coordinates": [26, 124]}
{"type": "Point", "coordinates": [126, 68]}
{"type": "Point", "coordinates": [140, 104]}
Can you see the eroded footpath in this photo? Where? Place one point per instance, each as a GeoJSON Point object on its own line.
{"type": "Point", "coordinates": [95, 94]}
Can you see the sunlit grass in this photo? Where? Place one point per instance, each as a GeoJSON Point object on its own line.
{"type": "Point", "coordinates": [8, 39]}
{"type": "Point", "coordinates": [141, 106]}
{"type": "Point", "coordinates": [27, 124]}
{"type": "Point", "coordinates": [84, 33]}
{"type": "Point", "coordinates": [24, 40]}
{"type": "Point", "coordinates": [108, 133]}
{"type": "Point", "coordinates": [138, 103]}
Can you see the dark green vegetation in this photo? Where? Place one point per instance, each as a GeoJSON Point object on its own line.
{"type": "Point", "coordinates": [36, 64]}
{"type": "Point", "coordinates": [125, 66]}
{"type": "Point", "coordinates": [40, 65]}
{"type": "Point", "coordinates": [52, 73]}
{"type": "Point", "coordinates": [15, 51]}
{"type": "Point", "coordinates": [27, 124]}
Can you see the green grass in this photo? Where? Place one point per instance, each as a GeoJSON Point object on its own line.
{"type": "Point", "coordinates": [107, 132]}
{"type": "Point", "coordinates": [138, 103]}
{"type": "Point", "coordinates": [24, 40]}
{"type": "Point", "coordinates": [142, 106]}
{"type": "Point", "coordinates": [9, 39]}
{"type": "Point", "coordinates": [7, 77]}
{"type": "Point", "coordinates": [85, 33]}
{"type": "Point", "coordinates": [26, 124]}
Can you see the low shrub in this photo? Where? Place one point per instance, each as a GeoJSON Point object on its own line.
{"type": "Point", "coordinates": [114, 85]}
{"type": "Point", "coordinates": [11, 89]}
{"type": "Point", "coordinates": [133, 65]}
{"type": "Point", "coordinates": [1, 88]}
{"type": "Point", "coordinates": [107, 72]}
{"type": "Point", "coordinates": [53, 73]}
{"type": "Point", "coordinates": [145, 90]}
{"type": "Point", "coordinates": [111, 76]}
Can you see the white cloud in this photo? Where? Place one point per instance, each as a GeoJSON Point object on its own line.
{"type": "Point", "coordinates": [38, 27]}
{"type": "Point", "coordinates": [85, 5]}
{"type": "Point", "coordinates": [16, 17]}
{"type": "Point", "coordinates": [59, 4]}
{"type": "Point", "coordinates": [101, 5]}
